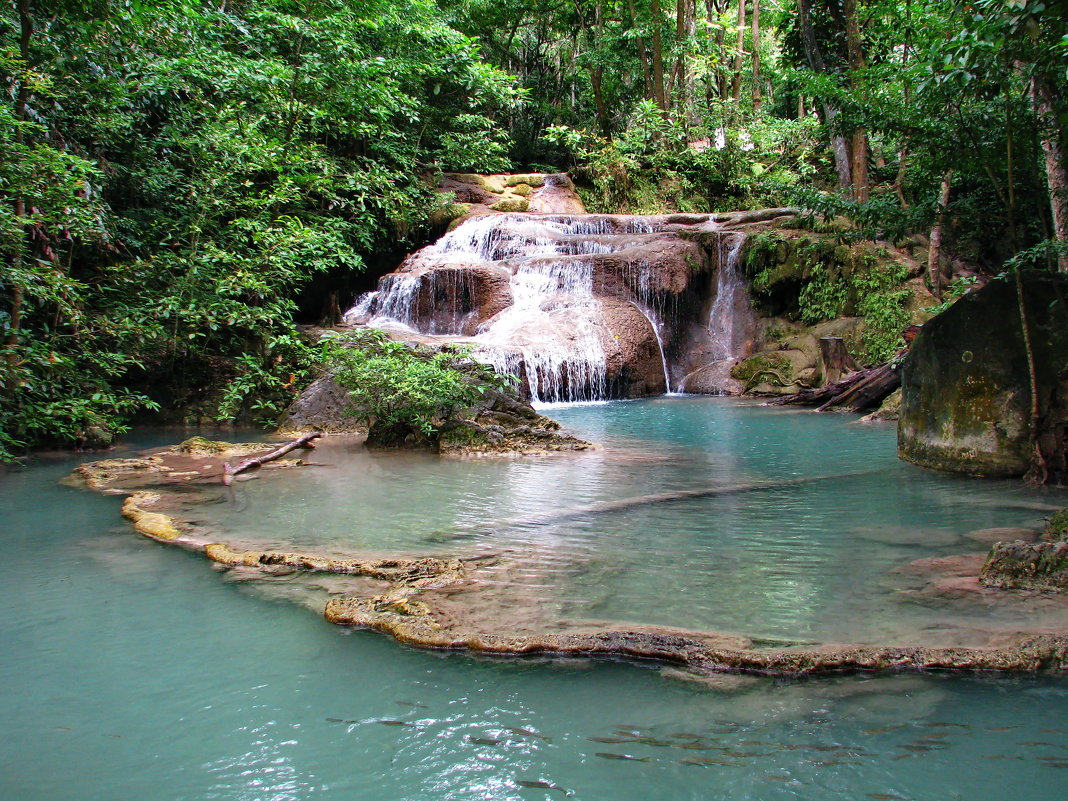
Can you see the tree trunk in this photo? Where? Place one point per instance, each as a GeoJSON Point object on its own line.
{"type": "Point", "coordinates": [1042, 96]}
{"type": "Point", "coordinates": [836, 359]}
{"type": "Point", "coordinates": [934, 268]}
{"type": "Point", "coordinates": [658, 57]}
{"type": "Point", "coordinates": [757, 99]}
{"type": "Point", "coordinates": [643, 56]}
{"type": "Point", "coordinates": [859, 391]}
{"type": "Point", "coordinates": [22, 100]}
{"type": "Point", "coordinates": [736, 84]}
{"type": "Point", "coordinates": [816, 62]}
{"type": "Point", "coordinates": [856, 65]}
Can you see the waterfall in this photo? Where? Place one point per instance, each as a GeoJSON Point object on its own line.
{"type": "Point", "coordinates": [732, 299]}
{"type": "Point", "coordinates": [660, 344]}
{"type": "Point", "coordinates": [552, 330]}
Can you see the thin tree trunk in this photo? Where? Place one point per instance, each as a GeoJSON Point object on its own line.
{"type": "Point", "coordinates": [712, 13]}
{"type": "Point", "coordinates": [856, 65]}
{"type": "Point", "coordinates": [1042, 97]}
{"type": "Point", "coordinates": [736, 83]}
{"type": "Point", "coordinates": [816, 62]}
{"type": "Point", "coordinates": [757, 99]}
{"type": "Point", "coordinates": [934, 269]}
{"type": "Point", "coordinates": [22, 100]}
{"type": "Point", "coordinates": [658, 57]}
{"type": "Point", "coordinates": [899, 181]}
{"type": "Point", "coordinates": [643, 56]}
{"type": "Point", "coordinates": [1036, 473]}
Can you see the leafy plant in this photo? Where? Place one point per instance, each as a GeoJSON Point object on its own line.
{"type": "Point", "coordinates": [399, 389]}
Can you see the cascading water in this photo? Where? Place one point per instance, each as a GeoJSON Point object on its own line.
{"type": "Point", "coordinates": [660, 344]}
{"type": "Point", "coordinates": [731, 301]}
{"type": "Point", "coordinates": [552, 333]}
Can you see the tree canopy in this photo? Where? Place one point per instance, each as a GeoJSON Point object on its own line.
{"type": "Point", "coordinates": [175, 172]}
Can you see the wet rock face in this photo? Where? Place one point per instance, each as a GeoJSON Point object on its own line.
{"type": "Point", "coordinates": [324, 406]}
{"type": "Point", "coordinates": [580, 307]}
{"type": "Point", "coordinates": [1027, 565]}
{"type": "Point", "coordinates": [965, 404]}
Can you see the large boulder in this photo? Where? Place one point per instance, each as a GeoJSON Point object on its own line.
{"type": "Point", "coordinates": [966, 396]}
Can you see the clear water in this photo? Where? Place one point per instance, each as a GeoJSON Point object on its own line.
{"type": "Point", "coordinates": [132, 671]}
{"type": "Point", "coordinates": [811, 561]}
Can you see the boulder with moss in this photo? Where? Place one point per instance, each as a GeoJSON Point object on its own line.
{"type": "Point", "coordinates": [966, 388]}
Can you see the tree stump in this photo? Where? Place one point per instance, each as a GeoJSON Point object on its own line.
{"type": "Point", "coordinates": [836, 359]}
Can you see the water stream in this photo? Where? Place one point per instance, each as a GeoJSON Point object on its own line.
{"type": "Point", "coordinates": [132, 671]}
{"type": "Point", "coordinates": [549, 327]}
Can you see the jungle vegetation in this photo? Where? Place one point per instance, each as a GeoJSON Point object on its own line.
{"type": "Point", "coordinates": [175, 173]}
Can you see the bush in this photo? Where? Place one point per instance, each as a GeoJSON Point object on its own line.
{"type": "Point", "coordinates": [401, 390]}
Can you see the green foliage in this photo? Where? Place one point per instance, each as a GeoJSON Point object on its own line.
{"type": "Point", "coordinates": [822, 279]}
{"type": "Point", "coordinates": [657, 165]}
{"type": "Point", "coordinates": [1057, 527]}
{"type": "Point", "coordinates": [175, 172]}
{"type": "Point", "coordinates": [762, 367]}
{"type": "Point", "coordinates": [398, 386]}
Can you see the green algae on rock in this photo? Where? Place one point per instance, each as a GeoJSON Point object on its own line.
{"type": "Point", "coordinates": [965, 403]}
{"type": "Point", "coordinates": [1030, 565]}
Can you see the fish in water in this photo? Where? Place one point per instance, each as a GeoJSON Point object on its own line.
{"type": "Point", "coordinates": [884, 730]}
{"type": "Point", "coordinates": [341, 720]}
{"type": "Point", "coordinates": [819, 763]}
{"type": "Point", "coordinates": [709, 761]}
{"type": "Point", "coordinates": [886, 797]}
{"type": "Point", "coordinates": [913, 747]}
{"type": "Point", "coordinates": [775, 777]}
{"type": "Point", "coordinates": [1001, 728]}
{"type": "Point", "coordinates": [1000, 756]}
{"type": "Point", "coordinates": [947, 725]}
{"type": "Point", "coordinates": [612, 740]}
{"type": "Point", "coordinates": [530, 733]}
{"type": "Point", "coordinates": [484, 740]}
{"type": "Point", "coordinates": [625, 757]}
{"type": "Point", "coordinates": [411, 704]}
{"type": "Point", "coordinates": [682, 735]}
{"type": "Point", "coordinates": [540, 785]}
{"type": "Point", "coordinates": [1039, 742]}
{"type": "Point", "coordinates": [393, 723]}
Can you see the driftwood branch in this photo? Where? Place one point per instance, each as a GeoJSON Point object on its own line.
{"type": "Point", "coordinates": [305, 442]}
{"type": "Point", "coordinates": [859, 391]}
{"type": "Point", "coordinates": [757, 215]}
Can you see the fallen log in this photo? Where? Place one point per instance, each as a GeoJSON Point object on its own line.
{"type": "Point", "coordinates": [857, 392]}
{"type": "Point", "coordinates": [304, 442]}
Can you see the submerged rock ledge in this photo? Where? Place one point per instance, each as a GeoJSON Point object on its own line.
{"type": "Point", "coordinates": [447, 603]}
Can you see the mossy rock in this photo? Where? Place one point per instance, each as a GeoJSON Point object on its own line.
{"type": "Point", "coordinates": [1057, 527]}
{"type": "Point", "coordinates": [534, 180]}
{"type": "Point", "coordinates": [523, 190]}
{"type": "Point", "coordinates": [1027, 566]}
{"type": "Point", "coordinates": [763, 367]}
{"type": "Point", "coordinates": [201, 446]}
{"type": "Point", "coordinates": [449, 213]}
{"type": "Point", "coordinates": [511, 205]}
{"type": "Point", "coordinates": [490, 183]}
{"type": "Point", "coordinates": [966, 400]}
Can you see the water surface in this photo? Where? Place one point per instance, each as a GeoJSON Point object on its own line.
{"type": "Point", "coordinates": [132, 671]}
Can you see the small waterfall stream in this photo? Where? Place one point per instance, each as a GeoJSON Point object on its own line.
{"type": "Point", "coordinates": [539, 296]}
{"type": "Point", "coordinates": [731, 298]}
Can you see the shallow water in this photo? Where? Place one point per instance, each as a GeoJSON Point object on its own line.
{"type": "Point", "coordinates": [812, 561]}
{"type": "Point", "coordinates": [133, 671]}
